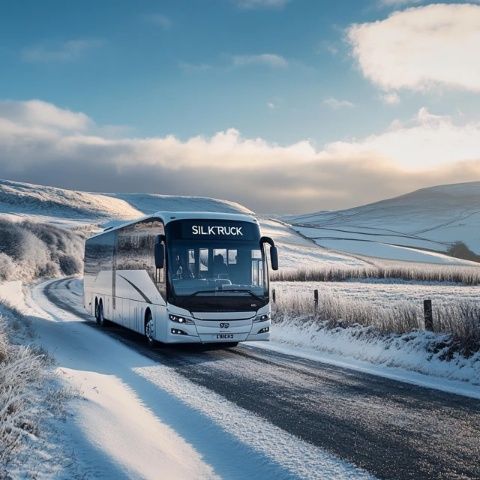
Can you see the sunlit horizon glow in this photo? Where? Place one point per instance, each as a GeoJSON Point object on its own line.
{"type": "Point", "coordinates": [397, 111]}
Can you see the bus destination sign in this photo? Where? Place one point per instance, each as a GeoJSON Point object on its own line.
{"type": "Point", "coordinates": [216, 229]}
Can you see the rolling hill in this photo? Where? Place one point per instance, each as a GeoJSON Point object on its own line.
{"type": "Point", "coordinates": [94, 211]}
{"type": "Point", "coordinates": [28, 199]}
{"type": "Point", "coordinates": [426, 225]}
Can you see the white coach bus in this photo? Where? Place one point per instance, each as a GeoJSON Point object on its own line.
{"type": "Point", "coordinates": [182, 277]}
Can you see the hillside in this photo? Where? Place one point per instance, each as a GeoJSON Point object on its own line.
{"type": "Point", "coordinates": [53, 206]}
{"type": "Point", "coordinates": [28, 199]}
{"type": "Point", "coordinates": [419, 226]}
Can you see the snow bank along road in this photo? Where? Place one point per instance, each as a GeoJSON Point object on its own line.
{"type": "Point", "coordinates": [254, 413]}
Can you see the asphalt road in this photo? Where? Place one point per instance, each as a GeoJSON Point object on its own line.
{"type": "Point", "coordinates": [392, 429]}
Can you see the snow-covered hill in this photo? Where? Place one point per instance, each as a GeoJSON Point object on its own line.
{"type": "Point", "coordinates": [91, 211]}
{"type": "Point", "coordinates": [419, 226]}
{"type": "Point", "coordinates": [150, 203]}
{"type": "Point", "coordinates": [27, 199]}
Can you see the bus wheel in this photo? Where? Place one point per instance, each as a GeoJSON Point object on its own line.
{"type": "Point", "coordinates": [150, 329]}
{"type": "Point", "coordinates": [99, 314]}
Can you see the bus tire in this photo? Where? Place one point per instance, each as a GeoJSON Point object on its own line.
{"type": "Point", "coordinates": [99, 316]}
{"type": "Point", "coordinates": [149, 329]}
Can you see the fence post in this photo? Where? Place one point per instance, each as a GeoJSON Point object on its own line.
{"type": "Point", "coordinates": [428, 315]}
{"type": "Point", "coordinates": [274, 296]}
{"type": "Point", "coordinates": [315, 299]}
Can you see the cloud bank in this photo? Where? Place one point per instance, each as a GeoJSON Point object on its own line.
{"type": "Point", "coordinates": [42, 143]}
{"type": "Point", "coordinates": [421, 48]}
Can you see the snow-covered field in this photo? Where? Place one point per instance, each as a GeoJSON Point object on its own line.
{"type": "Point", "coordinates": [381, 293]}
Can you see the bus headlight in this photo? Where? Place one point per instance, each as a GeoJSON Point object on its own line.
{"type": "Point", "coordinates": [179, 319]}
{"type": "Point", "coordinates": [262, 318]}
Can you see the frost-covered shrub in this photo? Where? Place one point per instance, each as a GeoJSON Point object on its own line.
{"type": "Point", "coordinates": [22, 374]}
{"type": "Point", "coordinates": [31, 250]}
{"type": "Point", "coordinates": [70, 264]}
{"type": "Point", "coordinates": [3, 345]}
{"type": "Point", "coordinates": [7, 267]}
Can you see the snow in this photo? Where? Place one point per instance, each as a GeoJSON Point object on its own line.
{"type": "Point", "coordinates": [404, 357]}
{"type": "Point", "coordinates": [427, 219]}
{"type": "Point", "coordinates": [378, 249]}
{"type": "Point", "coordinates": [382, 293]}
{"type": "Point", "coordinates": [417, 351]}
{"type": "Point", "coordinates": [137, 418]}
{"type": "Point", "coordinates": [151, 203]}
{"type": "Point", "coordinates": [28, 199]}
{"type": "Point", "coordinates": [11, 292]}
{"type": "Point", "coordinates": [296, 458]}
{"type": "Point", "coordinates": [186, 431]}
{"type": "Point", "coordinates": [72, 207]}
{"type": "Point", "coordinates": [297, 251]}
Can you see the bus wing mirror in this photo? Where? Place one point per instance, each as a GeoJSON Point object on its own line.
{"type": "Point", "coordinates": [274, 257]}
{"type": "Point", "coordinates": [273, 251]}
{"type": "Point", "coordinates": [159, 254]}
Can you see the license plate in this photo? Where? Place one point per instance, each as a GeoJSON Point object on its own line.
{"type": "Point", "coordinates": [225, 336]}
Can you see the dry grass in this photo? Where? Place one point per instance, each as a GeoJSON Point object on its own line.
{"type": "Point", "coordinates": [461, 320]}
{"type": "Point", "coordinates": [466, 275]}
{"type": "Point", "coordinates": [22, 375]}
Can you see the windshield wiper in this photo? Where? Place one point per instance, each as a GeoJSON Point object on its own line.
{"type": "Point", "coordinates": [243, 290]}
{"type": "Point", "coordinates": [202, 291]}
{"type": "Point", "coordinates": [249, 292]}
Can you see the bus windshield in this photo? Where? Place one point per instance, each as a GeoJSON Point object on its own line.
{"type": "Point", "coordinates": [222, 266]}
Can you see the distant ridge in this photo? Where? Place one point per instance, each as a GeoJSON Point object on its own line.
{"type": "Point", "coordinates": [436, 219]}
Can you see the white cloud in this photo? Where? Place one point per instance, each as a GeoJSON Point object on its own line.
{"type": "Point", "coordinates": [39, 114]}
{"type": "Point", "coordinates": [336, 104]}
{"type": "Point", "coordinates": [251, 4]}
{"type": "Point", "coordinates": [390, 98]}
{"type": "Point", "coordinates": [64, 52]}
{"type": "Point", "coordinates": [42, 143]}
{"type": "Point", "coordinates": [421, 48]}
{"type": "Point", "coordinates": [267, 59]}
{"type": "Point", "coordinates": [426, 142]}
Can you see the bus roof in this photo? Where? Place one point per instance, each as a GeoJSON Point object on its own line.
{"type": "Point", "coordinates": [170, 216]}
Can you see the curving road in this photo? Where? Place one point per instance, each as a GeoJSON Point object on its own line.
{"type": "Point", "coordinates": [391, 429]}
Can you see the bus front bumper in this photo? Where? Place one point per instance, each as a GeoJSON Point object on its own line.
{"type": "Point", "coordinates": [195, 334]}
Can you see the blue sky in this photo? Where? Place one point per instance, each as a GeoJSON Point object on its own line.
{"type": "Point", "coordinates": [282, 71]}
{"type": "Point", "coordinates": [165, 67]}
